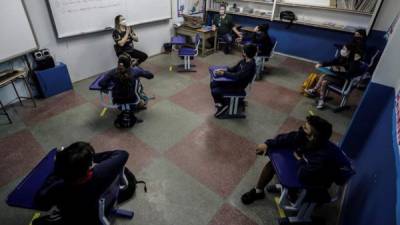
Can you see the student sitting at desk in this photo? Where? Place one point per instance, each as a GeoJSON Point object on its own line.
{"type": "Point", "coordinates": [127, 86]}
{"type": "Point", "coordinates": [310, 148]}
{"type": "Point", "coordinates": [241, 75]}
{"type": "Point", "coordinates": [345, 66]}
{"type": "Point", "coordinates": [124, 36]}
{"type": "Point", "coordinates": [224, 26]}
{"type": "Point", "coordinates": [80, 177]}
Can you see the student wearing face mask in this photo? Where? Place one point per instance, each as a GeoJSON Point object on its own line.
{"type": "Point", "coordinates": [124, 36]}
{"type": "Point", "coordinates": [223, 24]}
{"type": "Point", "coordinates": [316, 158]}
{"type": "Point", "coordinates": [345, 66]}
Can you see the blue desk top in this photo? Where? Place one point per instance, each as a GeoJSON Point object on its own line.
{"type": "Point", "coordinates": [24, 194]}
{"type": "Point", "coordinates": [286, 167]}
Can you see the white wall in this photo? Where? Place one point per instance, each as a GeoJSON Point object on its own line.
{"type": "Point", "coordinates": [388, 12]}
{"type": "Point", "coordinates": [387, 71]}
{"type": "Point", "coordinates": [91, 54]}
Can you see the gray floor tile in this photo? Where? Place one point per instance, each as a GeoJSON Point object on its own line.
{"type": "Point", "coordinates": [77, 124]}
{"type": "Point", "coordinates": [17, 124]}
{"type": "Point", "coordinates": [261, 123]}
{"type": "Point", "coordinates": [165, 124]}
{"type": "Point", "coordinates": [12, 215]}
{"type": "Point", "coordinates": [262, 211]}
{"type": "Point", "coordinates": [173, 198]}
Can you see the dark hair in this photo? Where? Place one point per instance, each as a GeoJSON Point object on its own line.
{"type": "Point", "coordinates": [74, 161]}
{"type": "Point", "coordinates": [321, 127]}
{"type": "Point", "coordinates": [125, 59]}
{"type": "Point", "coordinates": [263, 27]}
{"type": "Point", "coordinates": [116, 22]}
{"type": "Point", "coordinates": [363, 33]}
{"type": "Point", "coordinates": [250, 50]}
{"type": "Point", "coordinates": [222, 5]}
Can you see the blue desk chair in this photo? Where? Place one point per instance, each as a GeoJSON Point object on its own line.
{"type": "Point", "coordinates": [235, 99]}
{"type": "Point", "coordinates": [188, 53]}
{"type": "Point", "coordinates": [23, 196]}
{"type": "Point", "coordinates": [286, 168]}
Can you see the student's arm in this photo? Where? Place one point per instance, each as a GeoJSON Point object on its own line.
{"type": "Point", "coordinates": [354, 69]}
{"type": "Point", "coordinates": [234, 68]}
{"type": "Point", "coordinates": [288, 140]}
{"type": "Point", "coordinates": [333, 62]}
{"type": "Point", "coordinates": [105, 82]}
{"type": "Point", "coordinates": [240, 73]}
{"type": "Point", "coordinates": [110, 164]}
{"type": "Point", "coordinates": [121, 40]}
{"type": "Point", "coordinates": [142, 73]}
{"type": "Point", "coordinates": [48, 193]}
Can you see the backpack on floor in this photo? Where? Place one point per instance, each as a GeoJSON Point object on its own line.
{"type": "Point", "coordinates": [126, 119]}
{"type": "Point", "coordinates": [130, 190]}
{"type": "Point", "coordinates": [310, 82]}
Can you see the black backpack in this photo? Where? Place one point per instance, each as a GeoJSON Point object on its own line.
{"type": "Point", "coordinates": [132, 182]}
{"type": "Point", "coordinates": [126, 119]}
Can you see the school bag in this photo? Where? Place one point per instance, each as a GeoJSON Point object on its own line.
{"type": "Point", "coordinates": [126, 119]}
{"type": "Point", "coordinates": [131, 188]}
{"type": "Point", "coordinates": [309, 83]}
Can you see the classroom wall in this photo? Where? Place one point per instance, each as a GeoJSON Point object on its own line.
{"type": "Point", "coordinates": [387, 71]}
{"type": "Point", "coordinates": [90, 54]}
{"type": "Point", "coordinates": [373, 195]}
{"type": "Point", "coordinates": [388, 12]}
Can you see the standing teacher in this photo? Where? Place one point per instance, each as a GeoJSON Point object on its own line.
{"type": "Point", "coordinates": [124, 37]}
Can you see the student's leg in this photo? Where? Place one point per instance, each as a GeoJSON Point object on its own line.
{"type": "Point", "coordinates": [228, 38]}
{"type": "Point", "coordinates": [259, 66]}
{"type": "Point", "coordinates": [139, 55]}
{"type": "Point", "coordinates": [257, 193]}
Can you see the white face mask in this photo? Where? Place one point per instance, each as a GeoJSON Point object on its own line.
{"type": "Point", "coordinates": [123, 22]}
{"type": "Point", "coordinates": [344, 53]}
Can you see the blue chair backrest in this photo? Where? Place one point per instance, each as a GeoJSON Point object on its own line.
{"type": "Point", "coordinates": [108, 200]}
{"type": "Point", "coordinates": [345, 167]}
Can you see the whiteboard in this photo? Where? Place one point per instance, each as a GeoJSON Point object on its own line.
{"type": "Point", "coordinates": [16, 37]}
{"type": "Point", "coordinates": [75, 17]}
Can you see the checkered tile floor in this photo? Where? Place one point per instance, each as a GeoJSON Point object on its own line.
{"type": "Point", "coordinates": [196, 166]}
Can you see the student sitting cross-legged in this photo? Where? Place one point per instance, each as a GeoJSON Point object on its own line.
{"type": "Point", "coordinates": [316, 160]}
{"type": "Point", "coordinates": [241, 75]}
{"type": "Point", "coordinates": [80, 178]}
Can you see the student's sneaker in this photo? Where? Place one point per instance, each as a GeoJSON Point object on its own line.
{"type": "Point", "coordinates": [221, 110]}
{"type": "Point", "coordinates": [320, 104]}
{"type": "Point", "coordinates": [251, 196]}
{"type": "Point", "coordinates": [310, 92]}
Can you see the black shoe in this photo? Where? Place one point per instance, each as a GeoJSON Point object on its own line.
{"type": "Point", "coordinates": [221, 110]}
{"type": "Point", "coordinates": [252, 196]}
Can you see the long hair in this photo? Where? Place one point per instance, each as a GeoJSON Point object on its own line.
{"type": "Point", "coordinates": [117, 26]}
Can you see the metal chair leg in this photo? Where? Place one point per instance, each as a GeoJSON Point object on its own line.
{"type": "Point", "coordinates": [5, 112]}
{"type": "Point", "coordinates": [29, 91]}
{"type": "Point", "coordinates": [16, 92]}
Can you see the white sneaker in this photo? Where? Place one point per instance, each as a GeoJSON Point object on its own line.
{"type": "Point", "coordinates": [310, 92]}
{"type": "Point", "coordinates": [320, 104]}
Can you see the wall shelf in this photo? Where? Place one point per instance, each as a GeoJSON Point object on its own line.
{"type": "Point", "coordinates": [268, 17]}
{"type": "Point", "coordinates": [324, 8]}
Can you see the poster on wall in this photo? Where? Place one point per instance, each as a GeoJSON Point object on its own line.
{"type": "Point", "coordinates": [190, 7]}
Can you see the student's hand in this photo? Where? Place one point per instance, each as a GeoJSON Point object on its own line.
{"type": "Point", "coordinates": [318, 65]}
{"type": "Point", "coordinates": [128, 29]}
{"type": "Point", "coordinates": [261, 149]}
{"type": "Point", "coordinates": [238, 40]}
{"type": "Point", "coordinates": [213, 28]}
{"type": "Point", "coordinates": [296, 156]}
